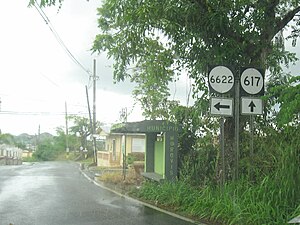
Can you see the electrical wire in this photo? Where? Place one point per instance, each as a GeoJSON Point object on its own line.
{"type": "Point", "coordinates": [41, 113]}
{"type": "Point", "coordinates": [57, 37]}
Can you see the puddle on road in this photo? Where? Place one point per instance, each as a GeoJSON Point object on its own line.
{"type": "Point", "coordinates": [19, 187]}
{"type": "Point", "coordinates": [122, 204]}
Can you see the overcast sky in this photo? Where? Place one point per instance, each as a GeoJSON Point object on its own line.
{"type": "Point", "coordinates": [37, 76]}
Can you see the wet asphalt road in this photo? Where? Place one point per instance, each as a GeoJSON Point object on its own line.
{"type": "Point", "coordinates": [56, 193]}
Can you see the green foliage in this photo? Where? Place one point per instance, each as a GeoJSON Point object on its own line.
{"type": "Point", "coordinates": [44, 3]}
{"type": "Point", "coordinates": [135, 156]}
{"type": "Point", "coordinates": [45, 152]}
{"type": "Point", "coordinates": [29, 159]}
{"type": "Point", "coordinates": [273, 197]}
{"type": "Point", "coordinates": [160, 38]}
{"type": "Point", "coordinates": [284, 91]}
{"type": "Point", "coordinates": [196, 147]}
{"type": "Point", "coordinates": [7, 139]}
{"type": "Point", "coordinates": [53, 147]}
{"type": "Point", "coordinates": [81, 128]}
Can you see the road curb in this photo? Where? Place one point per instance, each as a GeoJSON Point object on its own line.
{"type": "Point", "coordinates": [139, 202]}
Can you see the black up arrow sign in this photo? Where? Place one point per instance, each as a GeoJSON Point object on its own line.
{"type": "Point", "coordinates": [252, 106]}
{"type": "Point", "coordinates": [218, 106]}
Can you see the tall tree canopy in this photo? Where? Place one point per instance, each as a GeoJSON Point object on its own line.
{"type": "Point", "coordinates": [194, 33]}
{"type": "Point", "coordinates": [159, 37]}
{"type": "Point", "coordinates": [163, 36]}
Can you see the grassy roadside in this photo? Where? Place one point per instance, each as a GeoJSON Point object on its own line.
{"type": "Point", "coordinates": [236, 203]}
{"type": "Point", "coordinates": [239, 202]}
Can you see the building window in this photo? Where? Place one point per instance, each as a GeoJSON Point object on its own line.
{"type": "Point", "coordinates": [138, 145]}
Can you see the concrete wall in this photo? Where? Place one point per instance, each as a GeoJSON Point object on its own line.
{"type": "Point", "coordinates": [10, 155]}
{"type": "Point", "coordinates": [9, 161]}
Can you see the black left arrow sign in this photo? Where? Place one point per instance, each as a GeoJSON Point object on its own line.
{"type": "Point", "coordinates": [218, 106]}
{"type": "Point", "coordinates": [252, 106]}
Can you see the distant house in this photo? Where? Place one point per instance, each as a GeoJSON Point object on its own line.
{"type": "Point", "coordinates": [26, 153]}
{"type": "Point", "coordinates": [112, 155]}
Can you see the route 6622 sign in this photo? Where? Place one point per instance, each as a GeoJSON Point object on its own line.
{"type": "Point", "coordinates": [220, 79]}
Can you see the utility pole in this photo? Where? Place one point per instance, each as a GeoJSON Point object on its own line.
{"type": "Point", "coordinates": [94, 97]}
{"type": "Point", "coordinates": [93, 121]}
{"type": "Point", "coordinates": [67, 129]}
{"type": "Point", "coordinates": [38, 137]}
{"type": "Point", "coordinates": [94, 112]}
{"type": "Point", "coordinates": [123, 118]}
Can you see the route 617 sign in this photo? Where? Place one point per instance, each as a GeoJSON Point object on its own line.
{"type": "Point", "coordinates": [221, 79]}
{"type": "Point", "coordinates": [252, 81]}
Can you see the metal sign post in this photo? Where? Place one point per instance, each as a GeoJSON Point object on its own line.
{"type": "Point", "coordinates": [251, 136]}
{"type": "Point", "coordinates": [222, 143]}
{"type": "Point", "coordinates": [221, 81]}
{"type": "Point", "coordinates": [252, 83]}
{"type": "Point", "coordinates": [249, 85]}
{"type": "Point", "coordinates": [237, 128]}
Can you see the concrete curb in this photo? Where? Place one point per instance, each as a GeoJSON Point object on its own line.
{"type": "Point", "coordinates": [140, 202]}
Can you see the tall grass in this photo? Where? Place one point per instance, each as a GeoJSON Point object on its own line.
{"type": "Point", "coordinates": [273, 198]}
{"type": "Point", "coordinates": [235, 203]}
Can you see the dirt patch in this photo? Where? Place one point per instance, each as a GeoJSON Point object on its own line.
{"type": "Point", "coordinates": [117, 178]}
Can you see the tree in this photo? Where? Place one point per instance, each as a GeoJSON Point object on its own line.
{"type": "Point", "coordinates": [284, 91]}
{"type": "Point", "coordinates": [162, 36]}
{"type": "Point", "coordinates": [195, 33]}
{"type": "Point", "coordinates": [45, 151]}
{"type": "Point", "coordinates": [82, 129]}
{"type": "Point", "coordinates": [7, 139]}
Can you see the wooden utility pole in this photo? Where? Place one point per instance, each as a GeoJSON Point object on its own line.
{"type": "Point", "coordinates": [94, 97]}
{"type": "Point", "coordinates": [90, 116]}
{"type": "Point", "coordinates": [67, 129]}
{"type": "Point", "coordinates": [38, 137]}
{"type": "Point", "coordinates": [94, 112]}
{"type": "Point", "coordinates": [123, 117]}
{"type": "Point", "coordinates": [93, 121]}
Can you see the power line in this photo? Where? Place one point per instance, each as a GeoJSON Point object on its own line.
{"type": "Point", "coordinates": [41, 113]}
{"type": "Point", "coordinates": [57, 37]}
{"type": "Point", "coordinates": [78, 105]}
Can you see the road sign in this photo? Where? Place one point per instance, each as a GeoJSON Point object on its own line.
{"type": "Point", "coordinates": [221, 79]}
{"type": "Point", "coordinates": [252, 106]}
{"type": "Point", "coordinates": [252, 81]}
{"type": "Point", "coordinates": [221, 106]}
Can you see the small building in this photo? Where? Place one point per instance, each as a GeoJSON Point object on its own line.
{"type": "Point", "coordinates": [112, 155]}
{"type": "Point", "coordinates": [161, 138]}
{"type": "Point", "coordinates": [26, 154]}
